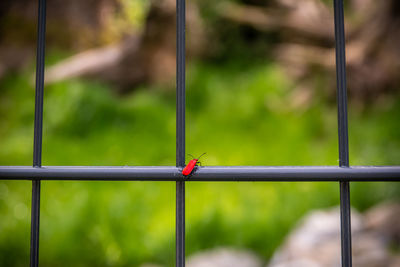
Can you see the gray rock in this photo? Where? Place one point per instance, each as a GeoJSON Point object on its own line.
{"type": "Point", "coordinates": [150, 265]}
{"type": "Point", "coordinates": [315, 241]}
{"type": "Point", "coordinates": [224, 257]}
{"type": "Point", "coordinates": [384, 219]}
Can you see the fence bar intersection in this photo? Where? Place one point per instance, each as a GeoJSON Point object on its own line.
{"type": "Point", "coordinates": [345, 214]}
{"type": "Point", "coordinates": [38, 132]}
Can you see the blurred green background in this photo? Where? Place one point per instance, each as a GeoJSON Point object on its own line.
{"type": "Point", "coordinates": [238, 111]}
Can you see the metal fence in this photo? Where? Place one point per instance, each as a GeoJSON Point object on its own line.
{"type": "Point", "coordinates": [344, 174]}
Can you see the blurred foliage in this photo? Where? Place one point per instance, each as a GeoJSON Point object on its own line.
{"type": "Point", "coordinates": [238, 117]}
{"type": "Point", "coordinates": [239, 111]}
{"type": "Point", "coordinates": [130, 18]}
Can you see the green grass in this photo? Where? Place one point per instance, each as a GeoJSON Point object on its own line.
{"type": "Point", "coordinates": [239, 116]}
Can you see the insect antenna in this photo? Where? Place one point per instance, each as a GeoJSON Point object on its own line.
{"type": "Point", "coordinates": [202, 155]}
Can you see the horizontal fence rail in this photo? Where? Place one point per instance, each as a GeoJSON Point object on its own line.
{"type": "Point", "coordinates": [206, 174]}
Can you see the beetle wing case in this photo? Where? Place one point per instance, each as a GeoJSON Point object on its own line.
{"type": "Point", "coordinates": [189, 168]}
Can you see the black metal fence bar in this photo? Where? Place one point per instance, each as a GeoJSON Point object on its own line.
{"type": "Point", "coordinates": [229, 173]}
{"type": "Point", "coordinates": [180, 128]}
{"type": "Point", "coordinates": [345, 215]}
{"type": "Point", "coordinates": [345, 223]}
{"type": "Point", "coordinates": [38, 129]}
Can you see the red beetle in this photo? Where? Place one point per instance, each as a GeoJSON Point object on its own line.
{"type": "Point", "coordinates": [193, 163]}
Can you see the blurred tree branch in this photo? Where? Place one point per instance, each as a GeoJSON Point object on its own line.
{"type": "Point", "coordinates": [306, 29]}
{"type": "Point", "coordinates": [76, 24]}
{"type": "Point", "coordinates": [148, 57]}
{"type": "Point", "coordinates": [305, 43]}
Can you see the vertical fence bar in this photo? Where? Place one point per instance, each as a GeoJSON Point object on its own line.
{"type": "Point", "coordinates": [345, 222]}
{"type": "Point", "coordinates": [38, 129]}
{"type": "Point", "coordinates": [180, 128]}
